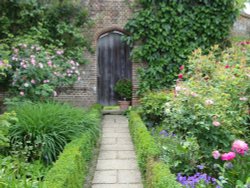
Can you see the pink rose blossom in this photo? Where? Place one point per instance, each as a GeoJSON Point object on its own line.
{"type": "Point", "coordinates": [59, 52]}
{"type": "Point", "coordinates": [182, 67]}
{"type": "Point", "coordinates": [33, 61]}
{"type": "Point", "coordinates": [227, 66]}
{"type": "Point", "coordinates": [216, 154]}
{"type": "Point", "coordinates": [243, 98]}
{"type": "Point", "coordinates": [22, 93]}
{"type": "Point", "coordinates": [240, 147]}
{"type": "Point", "coordinates": [46, 81]}
{"type": "Point", "coordinates": [50, 63]}
{"type": "Point", "coordinates": [216, 123]}
{"type": "Point", "coordinates": [33, 81]}
{"type": "Point", "coordinates": [79, 78]}
{"type": "Point", "coordinates": [209, 102]}
{"type": "Point", "coordinates": [194, 94]}
{"type": "Point", "coordinates": [228, 156]}
{"type": "Point", "coordinates": [180, 76]}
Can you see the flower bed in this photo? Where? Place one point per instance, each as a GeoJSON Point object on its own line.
{"type": "Point", "coordinates": [33, 137]}
{"type": "Point", "coordinates": [203, 128]}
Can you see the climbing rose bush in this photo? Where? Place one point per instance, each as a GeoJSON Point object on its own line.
{"type": "Point", "coordinates": [37, 73]}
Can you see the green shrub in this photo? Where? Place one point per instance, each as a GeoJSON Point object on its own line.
{"type": "Point", "coordinates": [124, 89]}
{"type": "Point", "coordinates": [17, 173]}
{"type": "Point", "coordinates": [70, 170]}
{"type": "Point", "coordinates": [45, 128]}
{"type": "Point", "coordinates": [160, 176]}
{"type": "Point", "coordinates": [153, 107]}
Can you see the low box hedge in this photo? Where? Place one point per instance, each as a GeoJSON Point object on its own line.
{"type": "Point", "coordinates": [156, 174]}
{"type": "Point", "coordinates": [71, 169]}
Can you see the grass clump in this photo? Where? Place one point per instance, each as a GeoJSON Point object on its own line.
{"type": "Point", "coordinates": [45, 128]}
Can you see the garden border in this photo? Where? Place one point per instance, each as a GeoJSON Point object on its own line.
{"type": "Point", "coordinates": [155, 174]}
{"type": "Point", "coordinates": [71, 169]}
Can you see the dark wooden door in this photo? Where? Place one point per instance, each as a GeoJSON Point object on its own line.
{"type": "Point", "coordinates": [113, 64]}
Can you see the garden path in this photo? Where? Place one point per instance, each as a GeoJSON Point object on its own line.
{"type": "Point", "coordinates": [116, 165]}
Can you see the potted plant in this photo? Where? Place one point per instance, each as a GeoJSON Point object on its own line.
{"type": "Point", "coordinates": [123, 88]}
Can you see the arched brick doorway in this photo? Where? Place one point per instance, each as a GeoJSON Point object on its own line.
{"type": "Point", "coordinates": [113, 64]}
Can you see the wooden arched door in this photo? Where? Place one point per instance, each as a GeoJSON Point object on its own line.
{"type": "Point", "coordinates": [113, 64]}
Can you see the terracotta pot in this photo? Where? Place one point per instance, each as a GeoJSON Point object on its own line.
{"type": "Point", "coordinates": [124, 104]}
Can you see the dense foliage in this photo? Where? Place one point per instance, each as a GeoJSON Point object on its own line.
{"type": "Point", "coordinates": [37, 73]}
{"type": "Point", "coordinates": [48, 23]}
{"type": "Point", "coordinates": [124, 89]}
{"type": "Point", "coordinates": [205, 120]}
{"type": "Point", "coordinates": [165, 33]}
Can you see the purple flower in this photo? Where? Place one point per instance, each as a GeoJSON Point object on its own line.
{"type": "Point", "coordinates": [192, 181]}
{"type": "Point", "coordinates": [201, 167]}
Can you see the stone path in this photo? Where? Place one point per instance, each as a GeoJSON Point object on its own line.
{"type": "Point", "coordinates": [116, 166]}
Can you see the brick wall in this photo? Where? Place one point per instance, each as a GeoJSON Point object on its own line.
{"type": "Point", "coordinates": [107, 15]}
{"type": "Point", "coordinates": [242, 26]}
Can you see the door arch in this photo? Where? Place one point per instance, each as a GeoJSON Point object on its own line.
{"type": "Point", "coordinates": [113, 64]}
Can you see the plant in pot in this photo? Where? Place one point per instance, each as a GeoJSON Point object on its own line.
{"type": "Point", "coordinates": [123, 88]}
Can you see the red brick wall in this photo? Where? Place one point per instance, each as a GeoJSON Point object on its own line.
{"type": "Point", "coordinates": [107, 15]}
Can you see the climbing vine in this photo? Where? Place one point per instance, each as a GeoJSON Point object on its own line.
{"type": "Point", "coordinates": [164, 33]}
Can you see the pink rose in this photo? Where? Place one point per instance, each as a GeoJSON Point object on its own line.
{"type": "Point", "coordinates": [228, 156]}
{"type": "Point", "coordinates": [33, 61]}
{"type": "Point", "coordinates": [33, 81]}
{"type": "Point", "coordinates": [194, 94]}
{"type": "Point", "coordinates": [180, 76]}
{"type": "Point", "coordinates": [240, 147]}
{"type": "Point", "coordinates": [22, 93]}
{"type": "Point", "coordinates": [182, 67]}
{"type": "Point", "coordinates": [227, 66]}
{"type": "Point", "coordinates": [50, 63]}
{"type": "Point", "coordinates": [216, 123]}
{"type": "Point", "coordinates": [216, 154]}
{"type": "Point", "coordinates": [243, 98]}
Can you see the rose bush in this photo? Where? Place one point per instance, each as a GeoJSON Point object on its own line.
{"type": "Point", "coordinates": [213, 104]}
{"type": "Point", "coordinates": [38, 73]}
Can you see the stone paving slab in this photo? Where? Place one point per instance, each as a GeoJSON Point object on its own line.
{"type": "Point", "coordinates": [117, 186]}
{"type": "Point", "coordinates": [116, 165]}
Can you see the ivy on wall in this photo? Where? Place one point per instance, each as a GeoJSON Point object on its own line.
{"type": "Point", "coordinates": [164, 33]}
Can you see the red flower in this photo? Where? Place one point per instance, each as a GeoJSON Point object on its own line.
{"type": "Point", "coordinates": [182, 67]}
{"type": "Point", "coordinates": [227, 66]}
{"type": "Point", "coordinates": [180, 76]}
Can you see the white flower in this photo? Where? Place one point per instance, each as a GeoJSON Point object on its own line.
{"type": "Point", "coordinates": [26, 85]}
{"type": "Point", "coordinates": [209, 102]}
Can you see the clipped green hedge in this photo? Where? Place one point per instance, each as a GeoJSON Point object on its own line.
{"type": "Point", "coordinates": [145, 145]}
{"type": "Point", "coordinates": [71, 169]}
{"type": "Point", "coordinates": [156, 174]}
